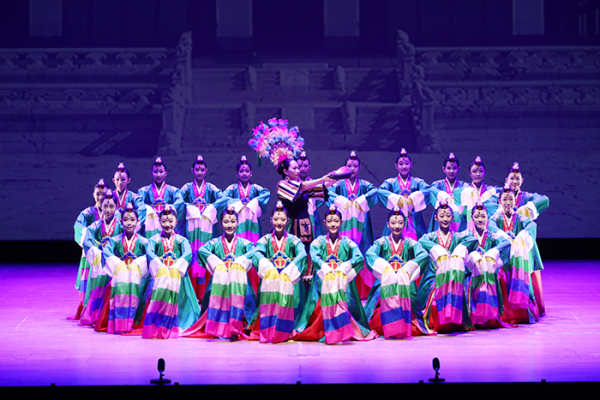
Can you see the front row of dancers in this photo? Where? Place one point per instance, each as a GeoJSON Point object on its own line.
{"type": "Point", "coordinates": [444, 282]}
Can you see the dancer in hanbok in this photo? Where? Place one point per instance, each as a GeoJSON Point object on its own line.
{"type": "Point", "coordinates": [97, 236]}
{"type": "Point", "coordinates": [444, 190]}
{"type": "Point", "coordinates": [173, 306]}
{"type": "Point", "coordinates": [476, 192]}
{"type": "Point", "coordinates": [333, 311]}
{"type": "Point", "coordinates": [249, 201]}
{"type": "Point", "coordinates": [156, 196]}
{"type": "Point", "coordinates": [397, 262]}
{"type": "Point", "coordinates": [280, 259]}
{"type": "Point", "coordinates": [124, 196]}
{"type": "Point", "coordinates": [530, 205]}
{"type": "Point", "coordinates": [354, 198]}
{"type": "Point", "coordinates": [86, 218]}
{"type": "Point", "coordinates": [126, 264]}
{"type": "Point", "coordinates": [313, 203]}
{"type": "Point", "coordinates": [520, 302]}
{"type": "Point", "coordinates": [282, 145]}
{"type": "Point", "coordinates": [229, 303]}
{"type": "Point", "coordinates": [483, 265]}
{"type": "Point", "coordinates": [408, 193]}
{"type": "Point", "coordinates": [204, 202]}
{"type": "Point", "coordinates": [441, 289]}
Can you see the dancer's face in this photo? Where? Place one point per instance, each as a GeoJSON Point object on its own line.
{"type": "Point", "coordinates": [396, 224]}
{"type": "Point", "coordinates": [168, 222]}
{"type": "Point", "coordinates": [293, 172]}
{"type": "Point", "coordinates": [480, 219]}
{"type": "Point", "coordinates": [244, 174]}
{"type": "Point", "coordinates": [515, 180]}
{"type": "Point", "coordinates": [444, 216]}
{"type": "Point", "coordinates": [159, 174]}
{"type": "Point", "coordinates": [333, 222]}
{"type": "Point", "coordinates": [477, 173]}
{"type": "Point", "coordinates": [451, 170]}
{"type": "Point", "coordinates": [279, 220]}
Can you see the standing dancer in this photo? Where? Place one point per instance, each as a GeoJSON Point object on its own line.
{"type": "Point", "coordinates": [354, 198]}
{"type": "Point", "coordinates": [281, 145]}
{"type": "Point", "coordinates": [249, 201]}
{"type": "Point", "coordinates": [520, 301]}
{"type": "Point", "coordinates": [407, 193]}
{"type": "Point", "coordinates": [204, 202]}
{"type": "Point", "coordinates": [313, 203]}
{"type": "Point", "coordinates": [97, 236]}
{"type": "Point", "coordinates": [86, 218]}
{"type": "Point", "coordinates": [476, 192]}
{"type": "Point", "coordinates": [156, 196]}
{"type": "Point", "coordinates": [444, 190]}
{"type": "Point", "coordinates": [530, 205]}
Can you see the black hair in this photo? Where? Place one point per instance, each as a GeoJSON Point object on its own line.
{"type": "Point", "coordinates": [129, 209]}
{"type": "Point", "coordinates": [396, 211]}
{"type": "Point", "coordinates": [168, 210]}
{"type": "Point", "coordinates": [403, 155]}
{"type": "Point", "coordinates": [199, 161]}
{"type": "Point", "coordinates": [477, 161]}
{"type": "Point", "coordinates": [121, 168]}
{"type": "Point", "coordinates": [243, 161]}
{"type": "Point", "coordinates": [285, 164]}
{"type": "Point", "coordinates": [451, 158]}
{"type": "Point", "coordinates": [479, 206]}
{"type": "Point", "coordinates": [354, 157]}
{"type": "Point", "coordinates": [159, 163]}
{"type": "Point", "coordinates": [229, 210]}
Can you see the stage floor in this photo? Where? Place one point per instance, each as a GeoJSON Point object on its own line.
{"type": "Point", "coordinates": [40, 347]}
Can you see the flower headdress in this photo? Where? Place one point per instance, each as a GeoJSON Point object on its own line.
{"type": "Point", "coordinates": [129, 208]}
{"type": "Point", "coordinates": [302, 156]}
{"type": "Point", "coordinates": [121, 167]}
{"type": "Point", "coordinates": [158, 162]}
{"type": "Point", "coordinates": [479, 206]}
{"type": "Point", "coordinates": [477, 161]}
{"type": "Point", "coordinates": [199, 159]}
{"type": "Point", "coordinates": [276, 141]}
{"type": "Point", "coordinates": [451, 157]}
{"type": "Point", "coordinates": [403, 153]}
{"type": "Point", "coordinates": [352, 155]}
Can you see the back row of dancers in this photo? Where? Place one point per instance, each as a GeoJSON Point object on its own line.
{"type": "Point", "coordinates": [154, 264]}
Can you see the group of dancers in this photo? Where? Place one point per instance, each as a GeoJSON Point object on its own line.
{"type": "Point", "coordinates": [155, 265]}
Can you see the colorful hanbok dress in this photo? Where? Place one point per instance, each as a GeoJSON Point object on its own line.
{"type": "Point", "coordinates": [228, 299]}
{"type": "Point", "coordinates": [483, 286]}
{"type": "Point", "coordinates": [154, 201]}
{"type": "Point", "coordinates": [467, 196]}
{"type": "Point", "coordinates": [97, 236]}
{"type": "Point", "coordinates": [249, 204]}
{"type": "Point", "coordinates": [393, 308]}
{"type": "Point", "coordinates": [333, 309]}
{"type": "Point", "coordinates": [173, 306]}
{"type": "Point", "coordinates": [354, 203]}
{"type": "Point", "coordinates": [442, 288]}
{"type": "Point", "coordinates": [126, 263]}
{"type": "Point", "coordinates": [412, 197]}
{"type": "Point", "coordinates": [203, 206]}
{"type": "Point", "coordinates": [296, 203]}
{"type": "Point", "coordinates": [281, 297]}
{"type": "Point", "coordinates": [313, 212]}
{"type": "Point", "coordinates": [442, 190]}
{"type": "Point", "coordinates": [521, 297]}
{"type": "Point", "coordinates": [85, 218]}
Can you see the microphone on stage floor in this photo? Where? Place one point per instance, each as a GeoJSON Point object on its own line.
{"type": "Point", "coordinates": [161, 370]}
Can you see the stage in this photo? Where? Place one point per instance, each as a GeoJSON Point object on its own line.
{"type": "Point", "coordinates": [41, 347]}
